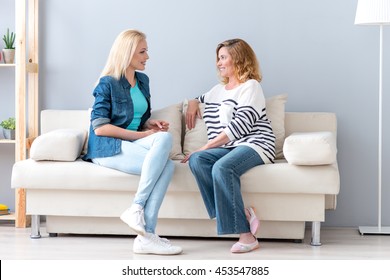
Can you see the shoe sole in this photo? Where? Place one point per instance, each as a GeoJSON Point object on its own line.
{"type": "Point", "coordinates": [242, 252]}
{"type": "Point", "coordinates": [257, 246]}
{"type": "Point", "coordinates": [155, 253]}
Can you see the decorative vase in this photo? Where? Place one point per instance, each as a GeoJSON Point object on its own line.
{"type": "Point", "coordinates": [9, 134]}
{"type": "Point", "coordinates": [8, 56]}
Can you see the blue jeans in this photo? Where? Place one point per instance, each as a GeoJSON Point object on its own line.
{"type": "Point", "coordinates": [148, 157]}
{"type": "Point", "coordinates": [217, 172]}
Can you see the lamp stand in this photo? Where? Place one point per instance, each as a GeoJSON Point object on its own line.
{"type": "Point", "coordinates": [378, 229]}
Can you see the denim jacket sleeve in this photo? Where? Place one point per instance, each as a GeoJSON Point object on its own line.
{"type": "Point", "coordinates": [102, 106]}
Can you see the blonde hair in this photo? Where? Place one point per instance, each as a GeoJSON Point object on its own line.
{"type": "Point", "coordinates": [246, 65]}
{"type": "Point", "coordinates": [122, 52]}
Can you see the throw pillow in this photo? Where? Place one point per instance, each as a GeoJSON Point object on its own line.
{"type": "Point", "coordinates": [59, 145]}
{"type": "Point", "coordinates": [173, 115]}
{"type": "Point", "coordinates": [310, 148]}
{"type": "Point", "coordinates": [196, 137]}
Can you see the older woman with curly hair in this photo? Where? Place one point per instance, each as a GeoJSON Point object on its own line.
{"type": "Point", "coordinates": [240, 137]}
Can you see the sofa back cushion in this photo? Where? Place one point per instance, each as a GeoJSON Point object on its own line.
{"type": "Point", "coordinates": [58, 119]}
{"type": "Point", "coordinates": [173, 115]}
{"type": "Point", "coordinates": [310, 122]}
{"type": "Point", "coordinates": [55, 119]}
{"type": "Point", "coordinates": [275, 106]}
{"type": "Point", "coordinates": [288, 122]}
{"type": "Point", "coordinates": [80, 119]}
{"type": "Point", "coordinates": [196, 137]}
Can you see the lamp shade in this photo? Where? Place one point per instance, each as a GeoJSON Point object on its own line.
{"type": "Point", "coordinates": [373, 12]}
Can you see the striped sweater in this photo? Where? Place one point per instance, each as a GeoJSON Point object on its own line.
{"type": "Point", "coordinates": [241, 114]}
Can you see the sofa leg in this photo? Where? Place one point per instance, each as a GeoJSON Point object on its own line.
{"type": "Point", "coordinates": [35, 227]}
{"type": "Point", "coordinates": [315, 234]}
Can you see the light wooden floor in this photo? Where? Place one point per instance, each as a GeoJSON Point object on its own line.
{"type": "Point", "coordinates": [337, 244]}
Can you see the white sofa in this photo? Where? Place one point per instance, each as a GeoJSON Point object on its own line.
{"type": "Point", "coordinates": [83, 198]}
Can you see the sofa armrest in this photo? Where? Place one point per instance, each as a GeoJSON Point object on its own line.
{"type": "Point", "coordinates": [310, 148]}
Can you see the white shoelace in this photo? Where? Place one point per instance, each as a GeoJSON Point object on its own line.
{"type": "Point", "coordinates": [165, 240]}
{"type": "Point", "coordinates": [162, 241]}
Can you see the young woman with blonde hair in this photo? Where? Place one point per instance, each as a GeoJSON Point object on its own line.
{"type": "Point", "coordinates": [240, 138]}
{"type": "Point", "coordinates": [123, 137]}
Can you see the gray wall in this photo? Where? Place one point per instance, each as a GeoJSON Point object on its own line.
{"type": "Point", "coordinates": [309, 49]}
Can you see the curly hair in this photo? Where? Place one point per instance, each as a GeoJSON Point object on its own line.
{"type": "Point", "coordinates": [246, 65]}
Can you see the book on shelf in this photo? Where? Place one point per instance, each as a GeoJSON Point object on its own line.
{"type": "Point", "coordinates": [4, 210]}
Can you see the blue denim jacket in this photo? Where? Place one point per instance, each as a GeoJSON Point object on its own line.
{"type": "Point", "coordinates": [113, 104]}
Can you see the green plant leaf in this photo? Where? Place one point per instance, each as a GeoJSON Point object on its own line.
{"type": "Point", "coordinates": [9, 40]}
{"type": "Point", "coordinates": [9, 123]}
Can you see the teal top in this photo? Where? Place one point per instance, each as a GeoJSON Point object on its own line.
{"type": "Point", "coordinates": [140, 106]}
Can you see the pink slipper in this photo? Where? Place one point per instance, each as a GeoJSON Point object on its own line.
{"type": "Point", "coordinates": [239, 247]}
{"type": "Point", "coordinates": [254, 222]}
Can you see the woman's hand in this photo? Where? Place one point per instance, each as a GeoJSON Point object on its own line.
{"type": "Point", "coordinates": [218, 141]}
{"type": "Point", "coordinates": [187, 157]}
{"type": "Point", "coordinates": [157, 125]}
{"type": "Point", "coordinates": [192, 112]}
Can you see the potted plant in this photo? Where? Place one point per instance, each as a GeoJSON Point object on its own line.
{"type": "Point", "coordinates": [8, 126]}
{"type": "Point", "coordinates": [9, 50]}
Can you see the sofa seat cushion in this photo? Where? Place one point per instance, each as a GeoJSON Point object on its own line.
{"type": "Point", "coordinates": [280, 177]}
{"type": "Point", "coordinates": [76, 175]}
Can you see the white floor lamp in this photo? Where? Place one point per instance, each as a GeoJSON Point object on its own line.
{"type": "Point", "coordinates": [376, 12]}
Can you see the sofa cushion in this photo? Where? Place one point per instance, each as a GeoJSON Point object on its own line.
{"type": "Point", "coordinates": [197, 137]}
{"type": "Point", "coordinates": [81, 175]}
{"type": "Point", "coordinates": [173, 115]}
{"type": "Point", "coordinates": [59, 145]}
{"type": "Point", "coordinates": [310, 148]}
{"type": "Point", "coordinates": [275, 106]}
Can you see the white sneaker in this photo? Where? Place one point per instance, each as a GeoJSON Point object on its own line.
{"type": "Point", "coordinates": [153, 244]}
{"type": "Point", "coordinates": [134, 217]}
